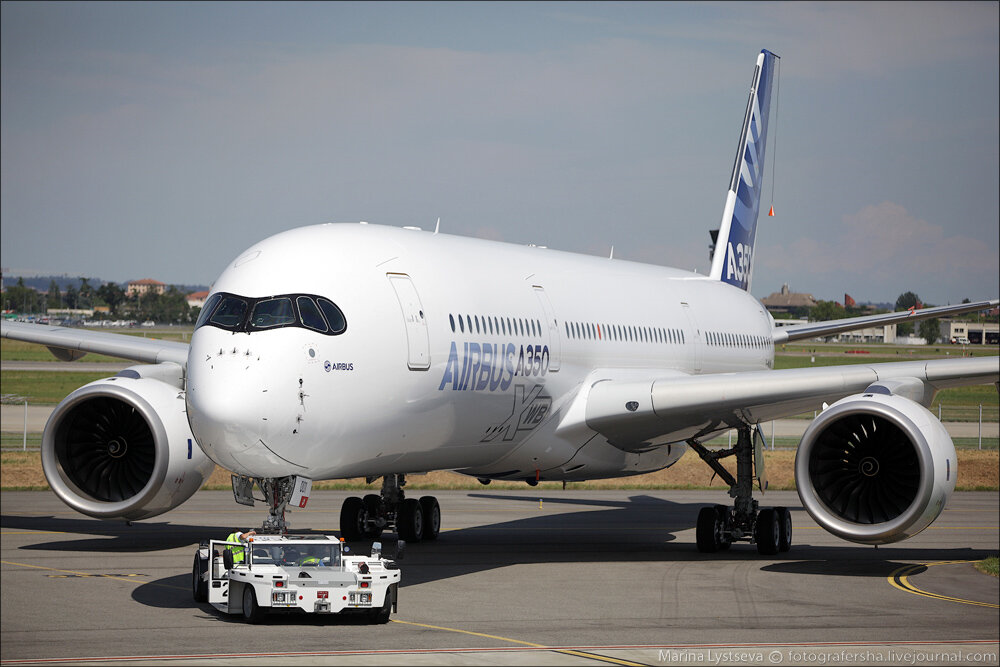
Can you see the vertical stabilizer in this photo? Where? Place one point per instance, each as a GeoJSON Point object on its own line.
{"type": "Point", "coordinates": [732, 261]}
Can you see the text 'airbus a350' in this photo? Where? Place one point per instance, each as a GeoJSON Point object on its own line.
{"type": "Point", "coordinates": [546, 366]}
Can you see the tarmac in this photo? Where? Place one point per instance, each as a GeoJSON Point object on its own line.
{"type": "Point", "coordinates": [517, 577]}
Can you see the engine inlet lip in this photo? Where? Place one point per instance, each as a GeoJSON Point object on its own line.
{"type": "Point", "coordinates": [882, 533]}
{"type": "Point", "coordinates": [66, 489]}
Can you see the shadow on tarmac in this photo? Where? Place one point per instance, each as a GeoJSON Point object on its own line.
{"type": "Point", "coordinates": [642, 528]}
{"type": "Point", "coordinates": [174, 593]}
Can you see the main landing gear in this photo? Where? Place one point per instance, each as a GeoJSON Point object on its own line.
{"type": "Point", "coordinates": [719, 526]}
{"type": "Point", "coordinates": [414, 520]}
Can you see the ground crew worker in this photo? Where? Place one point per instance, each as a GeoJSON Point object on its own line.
{"type": "Point", "coordinates": [238, 551]}
{"type": "Point", "coordinates": [313, 557]}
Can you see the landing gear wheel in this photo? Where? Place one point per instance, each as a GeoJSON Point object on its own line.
{"type": "Point", "coordinates": [784, 528]}
{"type": "Point", "coordinates": [432, 517]}
{"type": "Point", "coordinates": [410, 521]}
{"type": "Point", "coordinates": [722, 512]}
{"type": "Point", "coordinates": [199, 587]}
{"type": "Point", "coordinates": [352, 518]}
{"type": "Point", "coordinates": [710, 531]}
{"type": "Point", "coordinates": [767, 532]}
{"type": "Point", "coordinates": [251, 610]}
{"type": "Point", "coordinates": [705, 535]}
{"type": "Point", "coordinates": [373, 505]}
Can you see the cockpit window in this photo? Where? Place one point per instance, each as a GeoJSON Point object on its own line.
{"type": "Point", "coordinates": [271, 313]}
{"type": "Point", "coordinates": [235, 313]}
{"type": "Point", "coordinates": [334, 316]}
{"type": "Point", "coordinates": [311, 317]}
{"type": "Point", "coordinates": [230, 312]}
{"type": "Point", "coordinates": [207, 309]}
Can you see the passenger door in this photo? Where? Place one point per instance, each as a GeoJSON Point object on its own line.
{"type": "Point", "coordinates": [550, 326]}
{"type": "Point", "coordinates": [418, 343]}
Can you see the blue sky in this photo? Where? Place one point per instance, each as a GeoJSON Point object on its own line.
{"type": "Point", "coordinates": [161, 139]}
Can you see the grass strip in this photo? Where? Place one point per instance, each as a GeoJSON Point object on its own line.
{"type": "Point", "coordinates": [989, 566]}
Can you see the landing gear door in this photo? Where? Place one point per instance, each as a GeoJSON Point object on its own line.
{"type": "Point", "coordinates": [550, 326]}
{"type": "Point", "coordinates": [418, 344]}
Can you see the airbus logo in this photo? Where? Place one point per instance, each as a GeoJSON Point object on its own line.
{"type": "Point", "coordinates": [738, 262]}
{"type": "Point", "coordinates": [492, 367]}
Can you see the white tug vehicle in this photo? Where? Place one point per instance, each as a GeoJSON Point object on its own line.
{"type": "Point", "coordinates": [295, 573]}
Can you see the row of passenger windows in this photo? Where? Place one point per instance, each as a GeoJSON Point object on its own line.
{"type": "Point", "coordinates": [514, 326]}
{"type": "Point", "coordinates": [624, 333]}
{"type": "Point", "coordinates": [723, 339]}
{"type": "Point", "coordinates": [233, 312]}
{"type": "Point", "coordinates": [495, 325]}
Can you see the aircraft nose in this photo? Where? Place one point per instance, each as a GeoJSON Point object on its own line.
{"type": "Point", "coordinates": [234, 404]}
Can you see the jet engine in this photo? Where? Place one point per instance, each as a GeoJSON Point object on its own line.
{"type": "Point", "coordinates": [875, 468]}
{"type": "Point", "coordinates": [121, 447]}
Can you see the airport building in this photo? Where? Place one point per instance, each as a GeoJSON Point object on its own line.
{"type": "Point", "coordinates": [970, 333]}
{"type": "Point", "coordinates": [787, 301]}
{"type": "Point", "coordinates": [882, 334]}
{"type": "Point", "coordinates": [140, 287]}
{"type": "Point", "coordinates": [197, 299]}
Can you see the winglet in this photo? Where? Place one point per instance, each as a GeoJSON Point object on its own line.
{"type": "Point", "coordinates": [733, 260]}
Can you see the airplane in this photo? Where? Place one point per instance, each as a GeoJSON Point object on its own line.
{"type": "Point", "coordinates": [357, 350]}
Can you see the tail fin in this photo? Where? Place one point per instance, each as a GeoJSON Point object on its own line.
{"type": "Point", "coordinates": [732, 261]}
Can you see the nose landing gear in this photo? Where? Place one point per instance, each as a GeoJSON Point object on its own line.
{"type": "Point", "coordinates": [278, 491]}
{"type": "Point", "coordinates": [413, 520]}
{"type": "Point", "coordinates": [719, 526]}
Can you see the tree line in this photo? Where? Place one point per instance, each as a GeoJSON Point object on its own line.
{"type": "Point", "coordinates": [169, 307]}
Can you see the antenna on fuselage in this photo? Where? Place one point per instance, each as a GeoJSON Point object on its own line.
{"type": "Point", "coordinates": [437, 226]}
{"type": "Point", "coordinates": [612, 255]}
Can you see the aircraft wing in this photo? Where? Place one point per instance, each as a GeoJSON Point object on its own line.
{"type": "Point", "coordinates": [70, 344]}
{"type": "Point", "coordinates": [633, 413]}
{"type": "Point", "coordinates": [816, 329]}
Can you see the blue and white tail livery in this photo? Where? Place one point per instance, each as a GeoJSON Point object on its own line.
{"type": "Point", "coordinates": [733, 258]}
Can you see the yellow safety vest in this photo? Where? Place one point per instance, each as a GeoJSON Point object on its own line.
{"type": "Point", "coordinates": [237, 551]}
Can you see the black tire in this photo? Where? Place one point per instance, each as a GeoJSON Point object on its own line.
{"type": "Point", "coordinates": [767, 532]}
{"type": "Point", "coordinates": [199, 586]}
{"type": "Point", "coordinates": [705, 533]}
{"type": "Point", "coordinates": [381, 616]}
{"type": "Point", "coordinates": [784, 528]}
{"type": "Point", "coordinates": [410, 521]}
{"type": "Point", "coordinates": [432, 517]}
{"type": "Point", "coordinates": [352, 519]}
{"type": "Point", "coordinates": [373, 507]}
{"type": "Point", "coordinates": [252, 613]}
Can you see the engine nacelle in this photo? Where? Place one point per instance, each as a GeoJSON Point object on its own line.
{"type": "Point", "coordinates": [121, 447]}
{"type": "Point", "coordinates": [875, 468]}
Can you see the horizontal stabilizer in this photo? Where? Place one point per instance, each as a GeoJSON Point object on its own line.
{"type": "Point", "coordinates": [817, 329]}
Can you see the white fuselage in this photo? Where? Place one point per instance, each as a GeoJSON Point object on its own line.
{"type": "Point", "coordinates": [459, 354]}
